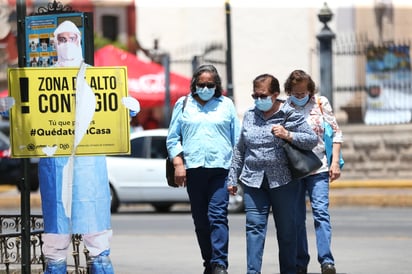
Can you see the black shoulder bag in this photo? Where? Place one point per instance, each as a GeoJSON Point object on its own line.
{"type": "Point", "coordinates": [170, 168]}
{"type": "Point", "coordinates": [301, 162]}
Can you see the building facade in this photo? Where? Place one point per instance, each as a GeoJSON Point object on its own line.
{"type": "Point", "coordinates": [266, 37]}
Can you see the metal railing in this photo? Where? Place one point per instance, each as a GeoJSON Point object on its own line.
{"type": "Point", "coordinates": [10, 246]}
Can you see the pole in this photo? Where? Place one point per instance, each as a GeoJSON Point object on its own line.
{"type": "Point", "coordinates": [195, 63]}
{"type": "Point", "coordinates": [229, 52]}
{"type": "Point", "coordinates": [25, 182]}
{"type": "Point", "coordinates": [166, 66]}
{"type": "Point", "coordinates": [325, 38]}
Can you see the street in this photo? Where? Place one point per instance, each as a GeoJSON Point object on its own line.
{"type": "Point", "coordinates": [365, 240]}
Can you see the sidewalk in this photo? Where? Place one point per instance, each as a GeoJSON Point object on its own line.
{"type": "Point", "coordinates": [396, 193]}
{"type": "Point", "coordinates": [10, 198]}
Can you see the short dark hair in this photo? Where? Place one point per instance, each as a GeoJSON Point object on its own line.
{"type": "Point", "coordinates": [296, 77]}
{"type": "Point", "coordinates": [216, 78]}
{"type": "Point", "coordinates": [274, 83]}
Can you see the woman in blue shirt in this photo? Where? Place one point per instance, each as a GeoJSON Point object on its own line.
{"type": "Point", "coordinates": [203, 131]}
{"type": "Point", "coordinates": [260, 163]}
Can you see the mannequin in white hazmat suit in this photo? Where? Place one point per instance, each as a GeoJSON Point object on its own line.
{"type": "Point", "coordinates": [89, 202]}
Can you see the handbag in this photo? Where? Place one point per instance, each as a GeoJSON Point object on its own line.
{"type": "Point", "coordinates": [170, 173]}
{"type": "Point", "coordinates": [301, 162]}
{"type": "Point", "coordinates": [170, 168]}
{"type": "Point", "coordinates": [328, 140]}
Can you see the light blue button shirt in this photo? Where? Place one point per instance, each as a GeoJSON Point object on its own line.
{"type": "Point", "coordinates": [205, 134]}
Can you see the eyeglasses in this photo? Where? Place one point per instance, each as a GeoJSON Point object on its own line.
{"type": "Point", "coordinates": [262, 96]}
{"type": "Point", "coordinates": [65, 39]}
{"type": "Point", "coordinates": [203, 85]}
{"type": "Point", "coordinates": [299, 94]}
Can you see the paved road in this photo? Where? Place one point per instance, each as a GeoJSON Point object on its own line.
{"type": "Point", "coordinates": [366, 240]}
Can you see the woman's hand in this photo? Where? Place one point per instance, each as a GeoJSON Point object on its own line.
{"type": "Point", "coordinates": [334, 171]}
{"type": "Point", "coordinates": [180, 171]}
{"type": "Point", "coordinates": [180, 175]}
{"type": "Point", "coordinates": [232, 190]}
{"type": "Point", "coordinates": [280, 132]}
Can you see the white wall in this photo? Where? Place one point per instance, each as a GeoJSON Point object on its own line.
{"type": "Point", "coordinates": [267, 40]}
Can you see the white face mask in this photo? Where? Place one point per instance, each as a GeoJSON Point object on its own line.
{"type": "Point", "coordinates": [205, 93]}
{"type": "Point", "coordinates": [69, 54]}
{"type": "Point", "coordinates": [264, 104]}
{"type": "Point", "coordinates": [300, 102]}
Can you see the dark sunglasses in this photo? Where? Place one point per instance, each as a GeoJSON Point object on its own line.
{"type": "Point", "coordinates": [203, 85]}
{"type": "Point", "coordinates": [254, 96]}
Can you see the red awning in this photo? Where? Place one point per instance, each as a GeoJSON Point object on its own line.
{"type": "Point", "coordinates": [145, 79]}
{"type": "Point", "coordinates": [4, 93]}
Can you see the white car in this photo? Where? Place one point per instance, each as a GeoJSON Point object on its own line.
{"type": "Point", "coordinates": [141, 176]}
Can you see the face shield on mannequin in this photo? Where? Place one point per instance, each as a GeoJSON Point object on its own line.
{"type": "Point", "coordinates": [67, 39]}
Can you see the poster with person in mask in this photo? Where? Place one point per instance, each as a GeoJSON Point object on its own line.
{"type": "Point", "coordinates": [41, 37]}
{"type": "Point", "coordinates": [388, 82]}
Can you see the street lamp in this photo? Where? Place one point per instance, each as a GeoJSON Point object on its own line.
{"type": "Point", "coordinates": [163, 58]}
{"type": "Point", "coordinates": [325, 15]}
{"type": "Point", "coordinates": [325, 38]}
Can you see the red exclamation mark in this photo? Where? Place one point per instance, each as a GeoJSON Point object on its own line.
{"type": "Point", "coordinates": [24, 93]}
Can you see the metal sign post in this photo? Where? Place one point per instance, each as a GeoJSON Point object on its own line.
{"type": "Point", "coordinates": [229, 52]}
{"type": "Point", "coordinates": [25, 183]}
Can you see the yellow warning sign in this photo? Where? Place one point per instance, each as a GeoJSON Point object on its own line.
{"type": "Point", "coordinates": [42, 122]}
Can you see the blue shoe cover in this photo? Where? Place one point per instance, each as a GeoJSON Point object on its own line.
{"type": "Point", "coordinates": [56, 267]}
{"type": "Point", "coordinates": [101, 264]}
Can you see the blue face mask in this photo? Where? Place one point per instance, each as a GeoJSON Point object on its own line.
{"type": "Point", "coordinates": [300, 102]}
{"type": "Point", "coordinates": [264, 104]}
{"type": "Point", "coordinates": [205, 93]}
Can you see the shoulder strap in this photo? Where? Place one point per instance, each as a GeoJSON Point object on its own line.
{"type": "Point", "coordinates": [320, 105]}
{"type": "Point", "coordinates": [184, 103]}
{"type": "Point", "coordinates": [287, 115]}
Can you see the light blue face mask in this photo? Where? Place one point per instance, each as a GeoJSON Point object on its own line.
{"type": "Point", "coordinates": [264, 104]}
{"type": "Point", "coordinates": [205, 93]}
{"type": "Point", "coordinates": [300, 102]}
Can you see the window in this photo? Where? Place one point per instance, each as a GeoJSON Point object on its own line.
{"type": "Point", "coordinates": [158, 148]}
{"type": "Point", "coordinates": [137, 148]}
{"type": "Point", "coordinates": [110, 25]}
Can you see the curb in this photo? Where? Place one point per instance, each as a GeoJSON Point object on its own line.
{"type": "Point", "coordinates": [371, 184]}
{"type": "Point", "coordinates": [369, 196]}
{"type": "Point", "coordinates": [15, 201]}
{"type": "Point", "coordinates": [382, 193]}
{"type": "Point", "coordinates": [10, 197]}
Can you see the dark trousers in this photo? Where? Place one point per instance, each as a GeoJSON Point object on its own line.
{"type": "Point", "coordinates": [209, 199]}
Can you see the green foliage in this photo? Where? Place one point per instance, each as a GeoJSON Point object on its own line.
{"type": "Point", "coordinates": [100, 42]}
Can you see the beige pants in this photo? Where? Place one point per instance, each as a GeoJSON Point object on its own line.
{"type": "Point", "coordinates": [55, 246]}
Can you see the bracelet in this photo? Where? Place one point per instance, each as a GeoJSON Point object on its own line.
{"type": "Point", "coordinates": [288, 136]}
